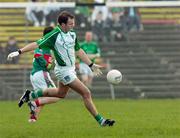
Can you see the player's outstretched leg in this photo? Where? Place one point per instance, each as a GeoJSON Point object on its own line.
{"type": "Point", "coordinates": [79, 87]}
{"type": "Point", "coordinates": [24, 98]}
{"type": "Point", "coordinates": [38, 104]}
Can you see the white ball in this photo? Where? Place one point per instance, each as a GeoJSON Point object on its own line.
{"type": "Point", "coordinates": [114, 76]}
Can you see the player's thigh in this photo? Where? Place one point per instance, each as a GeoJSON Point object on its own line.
{"type": "Point", "coordinates": [66, 76]}
{"type": "Point", "coordinates": [79, 87]}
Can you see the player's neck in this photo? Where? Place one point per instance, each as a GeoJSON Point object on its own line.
{"type": "Point", "coordinates": [63, 29]}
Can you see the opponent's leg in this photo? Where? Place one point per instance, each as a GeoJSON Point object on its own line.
{"type": "Point", "coordinates": [59, 92]}
{"type": "Point", "coordinates": [41, 80]}
{"type": "Point", "coordinates": [38, 105]}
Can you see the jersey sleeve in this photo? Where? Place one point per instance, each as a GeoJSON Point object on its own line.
{"type": "Point", "coordinates": [48, 41]}
{"type": "Point", "coordinates": [77, 45]}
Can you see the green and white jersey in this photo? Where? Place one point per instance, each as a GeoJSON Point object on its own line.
{"type": "Point", "coordinates": [63, 45]}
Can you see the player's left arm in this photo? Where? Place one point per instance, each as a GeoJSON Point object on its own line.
{"type": "Point", "coordinates": [96, 53]}
{"type": "Point", "coordinates": [94, 67]}
{"type": "Point", "coordinates": [83, 56]}
{"type": "Point", "coordinates": [92, 56]}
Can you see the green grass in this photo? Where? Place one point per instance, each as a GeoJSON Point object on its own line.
{"type": "Point", "coordinates": [69, 119]}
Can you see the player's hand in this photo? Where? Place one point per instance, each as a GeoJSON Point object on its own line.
{"type": "Point", "coordinates": [49, 66]}
{"type": "Point", "coordinates": [96, 69]}
{"type": "Point", "coordinates": [12, 55]}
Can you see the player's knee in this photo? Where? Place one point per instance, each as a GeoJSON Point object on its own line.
{"type": "Point", "coordinates": [61, 96]}
{"type": "Point", "coordinates": [87, 95]}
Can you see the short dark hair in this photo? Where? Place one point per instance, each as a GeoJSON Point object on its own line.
{"type": "Point", "coordinates": [63, 17]}
{"type": "Point", "coordinates": [47, 30]}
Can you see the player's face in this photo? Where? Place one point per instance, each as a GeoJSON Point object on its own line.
{"type": "Point", "coordinates": [70, 24]}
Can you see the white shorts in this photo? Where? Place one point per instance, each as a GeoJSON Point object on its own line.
{"type": "Point", "coordinates": [84, 69]}
{"type": "Point", "coordinates": [65, 74]}
{"type": "Point", "coordinates": [41, 80]}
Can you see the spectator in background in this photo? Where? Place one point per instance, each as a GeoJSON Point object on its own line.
{"type": "Point", "coordinates": [51, 13]}
{"type": "Point", "coordinates": [115, 25]}
{"type": "Point", "coordinates": [98, 9]}
{"type": "Point", "coordinates": [83, 19]}
{"type": "Point", "coordinates": [133, 19]}
{"type": "Point", "coordinates": [35, 14]}
{"type": "Point", "coordinates": [98, 27]}
{"type": "Point", "coordinates": [92, 50]}
{"type": "Point", "coordinates": [10, 47]}
{"type": "Point", "coordinates": [2, 54]}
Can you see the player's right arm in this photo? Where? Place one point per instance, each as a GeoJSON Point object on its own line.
{"type": "Point", "coordinates": [27, 48]}
{"type": "Point", "coordinates": [46, 41]}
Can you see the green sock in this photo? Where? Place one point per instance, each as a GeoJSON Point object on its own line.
{"type": "Point", "coordinates": [36, 94]}
{"type": "Point", "coordinates": [99, 118]}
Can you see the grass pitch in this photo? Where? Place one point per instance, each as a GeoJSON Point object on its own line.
{"type": "Point", "coordinates": [70, 119]}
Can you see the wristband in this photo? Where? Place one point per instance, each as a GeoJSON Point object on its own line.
{"type": "Point", "coordinates": [90, 65]}
{"type": "Point", "coordinates": [19, 51]}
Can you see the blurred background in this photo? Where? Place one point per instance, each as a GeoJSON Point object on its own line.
{"type": "Point", "coordinates": [143, 42]}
